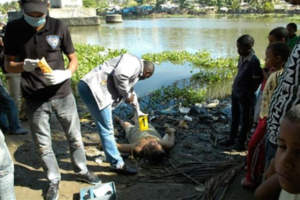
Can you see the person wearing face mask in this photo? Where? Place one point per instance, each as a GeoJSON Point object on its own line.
{"type": "Point", "coordinates": [33, 36]}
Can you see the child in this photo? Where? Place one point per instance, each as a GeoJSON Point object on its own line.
{"type": "Point", "coordinates": [285, 96]}
{"type": "Point", "coordinates": [276, 55]}
{"type": "Point", "coordinates": [278, 34]}
{"type": "Point", "coordinates": [245, 84]}
{"type": "Point", "coordinates": [284, 183]}
{"type": "Point", "coordinates": [292, 37]}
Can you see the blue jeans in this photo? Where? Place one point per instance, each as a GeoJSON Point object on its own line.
{"type": "Point", "coordinates": [8, 112]}
{"type": "Point", "coordinates": [7, 191]}
{"type": "Point", "coordinates": [39, 113]}
{"type": "Point", "coordinates": [104, 124]}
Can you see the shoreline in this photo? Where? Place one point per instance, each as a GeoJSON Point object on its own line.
{"type": "Point", "coordinates": [295, 16]}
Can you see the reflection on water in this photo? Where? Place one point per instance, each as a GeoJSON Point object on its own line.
{"type": "Point", "coordinates": [217, 35]}
{"type": "Point", "coordinates": [165, 74]}
{"type": "Point", "coordinates": [217, 90]}
{"type": "Point", "coordinates": [141, 36]}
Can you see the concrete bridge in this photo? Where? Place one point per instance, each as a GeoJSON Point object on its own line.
{"type": "Point", "coordinates": [70, 11]}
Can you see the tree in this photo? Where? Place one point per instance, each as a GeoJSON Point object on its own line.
{"type": "Point", "coordinates": [268, 7]}
{"type": "Point", "coordinates": [8, 6]}
{"type": "Point", "coordinates": [15, 5]}
{"type": "Point", "coordinates": [255, 3]}
{"type": "Point", "coordinates": [221, 3]}
{"type": "Point", "coordinates": [235, 5]}
{"type": "Point", "coordinates": [89, 3]}
{"type": "Point", "coordinates": [101, 5]}
{"type": "Point", "coordinates": [213, 3]}
{"type": "Point", "coordinates": [159, 2]}
{"type": "Point", "coordinates": [181, 3]}
{"type": "Point", "coordinates": [2, 10]}
{"type": "Point", "coordinates": [132, 3]}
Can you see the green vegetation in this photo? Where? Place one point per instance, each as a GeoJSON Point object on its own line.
{"type": "Point", "coordinates": [89, 3]}
{"type": "Point", "coordinates": [294, 18]}
{"type": "Point", "coordinates": [188, 96]}
{"type": "Point", "coordinates": [100, 5]}
{"type": "Point", "coordinates": [269, 7]}
{"type": "Point", "coordinates": [90, 56]}
{"type": "Point", "coordinates": [190, 7]}
{"type": "Point", "coordinates": [5, 7]}
{"type": "Point", "coordinates": [195, 6]}
{"type": "Point", "coordinates": [210, 70]}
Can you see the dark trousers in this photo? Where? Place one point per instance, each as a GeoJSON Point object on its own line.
{"type": "Point", "coordinates": [241, 109]}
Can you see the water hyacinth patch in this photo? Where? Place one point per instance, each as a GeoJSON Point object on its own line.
{"type": "Point", "coordinates": [187, 96]}
{"type": "Point", "coordinates": [211, 70]}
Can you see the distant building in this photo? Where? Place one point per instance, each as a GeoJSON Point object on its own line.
{"type": "Point", "coordinates": [71, 12]}
{"type": "Point", "coordinates": [169, 4]}
{"type": "Point", "coordinates": [66, 3]}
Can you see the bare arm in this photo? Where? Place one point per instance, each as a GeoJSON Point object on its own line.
{"type": "Point", "coordinates": [73, 62]}
{"type": "Point", "coordinates": [269, 190]}
{"type": "Point", "coordinates": [11, 65]}
{"type": "Point", "coordinates": [265, 74]}
{"type": "Point", "coordinates": [125, 148]}
{"type": "Point", "coordinates": [168, 142]}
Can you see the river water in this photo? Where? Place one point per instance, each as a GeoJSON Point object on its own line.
{"type": "Point", "coordinates": [218, 35]}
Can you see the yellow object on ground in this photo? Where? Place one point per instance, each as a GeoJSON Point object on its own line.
{"type": "Point", "coordinates": [143, 122]}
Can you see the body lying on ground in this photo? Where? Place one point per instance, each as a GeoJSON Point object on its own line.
{"type": "Point", "coordinates": [149, 144]}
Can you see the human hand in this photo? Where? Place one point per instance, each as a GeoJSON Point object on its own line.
{"type": "Point", "coordinates": [130, 100]}
{"type": "Point", "coordinates": [170, 130]}
{"type": "Point", "coordinates": [57, 76]}
{"type": "Point", "coordinates": [30, 64]}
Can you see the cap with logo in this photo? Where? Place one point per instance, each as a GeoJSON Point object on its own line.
{"type": "Point", "coordinates": [35, 6]}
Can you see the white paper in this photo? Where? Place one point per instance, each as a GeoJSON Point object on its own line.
{"type": "Point", "coordinates": [103, 190]}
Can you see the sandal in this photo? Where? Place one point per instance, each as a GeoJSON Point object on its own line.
{"type": "Point", "coordinates": [247, 184]}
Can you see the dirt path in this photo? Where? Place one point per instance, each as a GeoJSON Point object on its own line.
{"type": "Point", "coordinates": [162, 182]}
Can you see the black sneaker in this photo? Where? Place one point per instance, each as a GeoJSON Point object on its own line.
{"type": "Point", "coordinates": [52, 193]}
{"type": "Point", "coordinates": [227, 143]}
{"type": "Point", "coordinates": [89, 177]}
{"type": "Point", "coordinates": [237, 147]}
{"type": "Point", "coordinates": [126, 170]}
